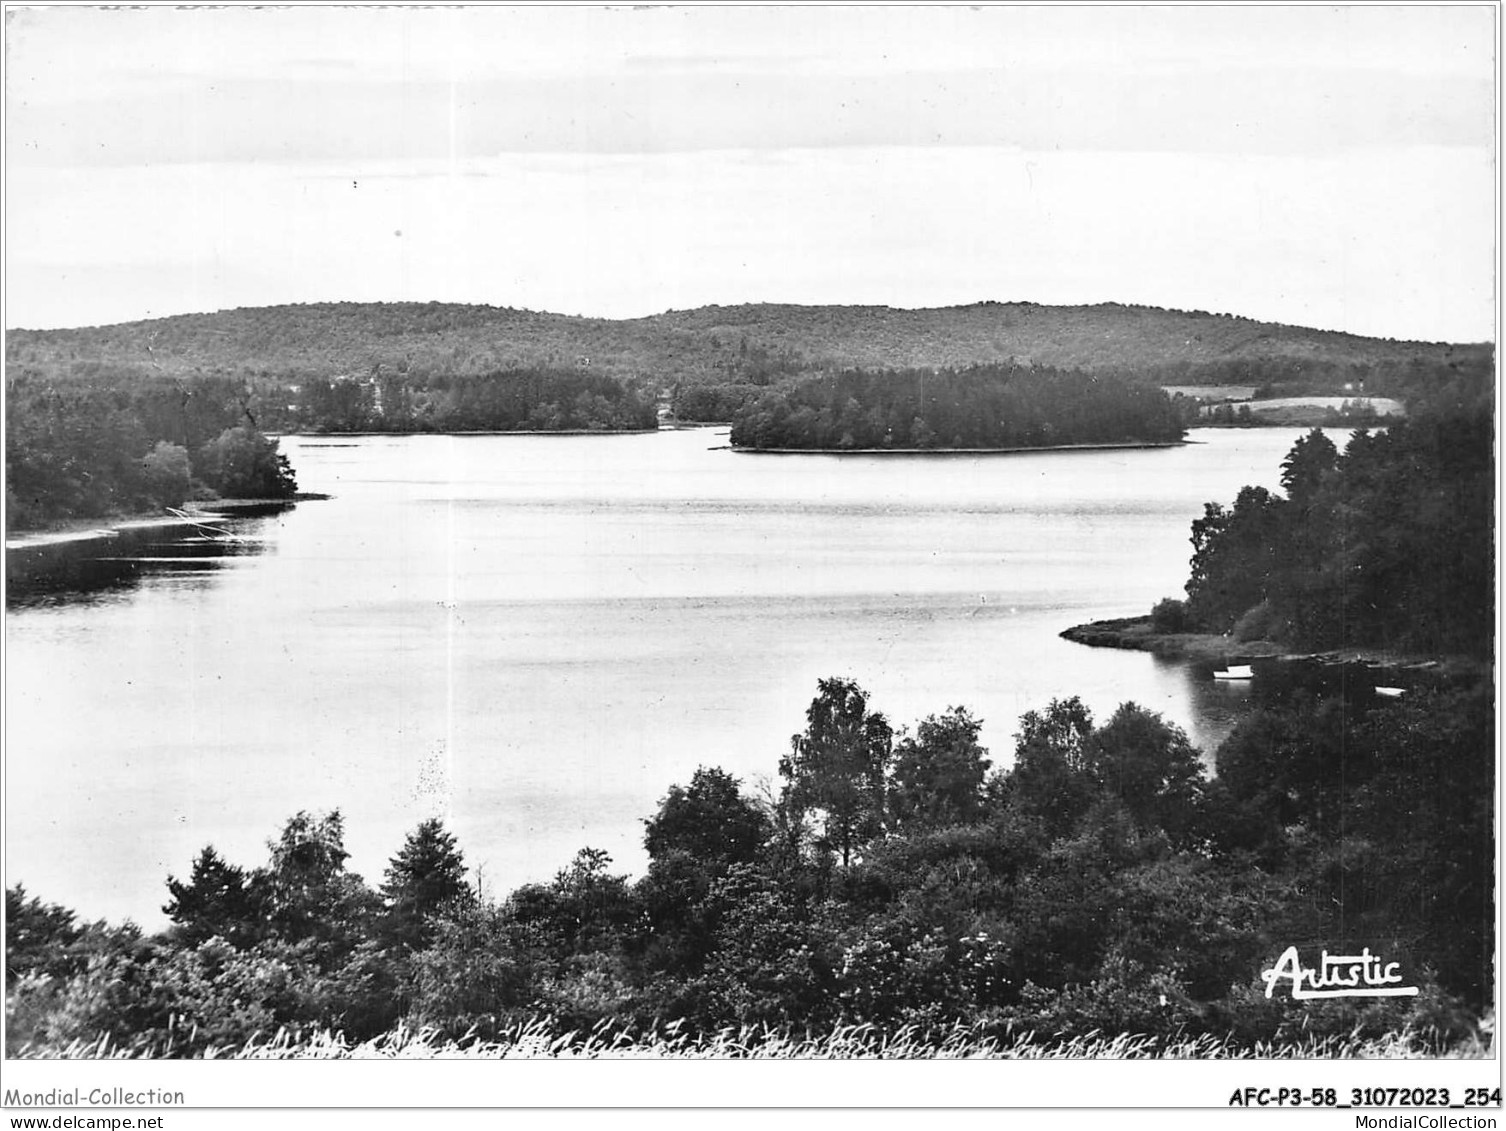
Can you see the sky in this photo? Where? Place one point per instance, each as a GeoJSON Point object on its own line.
{"type": "Point", "coordinates": [1324, 166]}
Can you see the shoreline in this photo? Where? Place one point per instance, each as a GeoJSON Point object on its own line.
{"type": "Point", "coordinates": [33, 556]}
{"type": "Point", "coordinates": [197, 513]}
{"type": "Point", "coordinates": [1125, 446]}
{"type": "Point", "coordinates": [1211, 650]}
{"type": "Point", "coordinates": [1134, 634]}
{"type": "Point", "coordinates": [478, 432]}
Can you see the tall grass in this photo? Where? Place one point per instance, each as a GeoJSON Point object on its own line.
{"type": "Point", "coordinates": [540, 1039]}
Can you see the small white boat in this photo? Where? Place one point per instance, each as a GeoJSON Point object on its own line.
{"type": "Point", "coordinates": [1236, 671]}
{"type": "Point", "coordinates": [1391, 692]}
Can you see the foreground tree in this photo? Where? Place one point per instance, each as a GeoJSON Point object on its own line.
{"type": "Point", "coordinates": [311, 895]}
{"type": "Point", "coordinates": [218, 899]}
{"type": "Point", "coordinates": [424, 881]}
{"type": "Point", "coordinates": [938, 773]}
{"type": "Point", "coordinates": [38, 935]}
{"type": "Point", "coordinates": [1151, 767]}
{"type": "Point", "coordinates": [836, 766]}
{"type": "Point", "coordinates": [1052, 779]}
{"type": "Point", "coordinates": [710, 821]}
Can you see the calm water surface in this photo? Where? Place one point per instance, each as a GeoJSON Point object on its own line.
{"type": "Point", "coordinates": [535, 636]}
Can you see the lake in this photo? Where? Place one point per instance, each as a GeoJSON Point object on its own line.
{"type": "Point", "coordinates": [535, 636]}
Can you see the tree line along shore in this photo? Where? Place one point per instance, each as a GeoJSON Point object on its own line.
{"type": "Point", "coordinates": [108, 444]}
{"type": "Point", "coordinates": [121, 420]}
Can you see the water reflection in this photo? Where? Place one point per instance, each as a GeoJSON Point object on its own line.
{"type": "Point", "coordinates": [99, 570]}
{"type": "Point", "coordinates": [1216, 704]}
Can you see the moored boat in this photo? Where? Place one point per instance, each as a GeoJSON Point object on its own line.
{"type": "Point", "coordinates": [1236, 671]}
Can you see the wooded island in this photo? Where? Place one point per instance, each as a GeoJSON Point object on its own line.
{"type": "Point", "coordinates": [978, 408]}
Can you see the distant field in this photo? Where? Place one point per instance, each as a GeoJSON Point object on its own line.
{"type": "Point", "coordinates": [1311, 411]}
{"type": "Point", "coordinates": [1211, 392]}
{"type": "Point", "coordinates": [1381, 406]}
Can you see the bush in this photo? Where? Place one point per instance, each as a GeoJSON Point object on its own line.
{"type": "Point", "coordinates": [1262, 622]}
{"type": "Point", "coordinates": [890, 970]}
{"type": "Point", "coordinates": [592, 990]}
{"type": "Point", "coordinates": [1169, 616]}
{"type": "Point", "coordinates": [1126, 997]}
{"type": "Point", "coordinates": [1432, 1020]}
{"type": "Point", "coordinates": [164, 471]}
{"type": "Point", "coordinates": [476, 970]}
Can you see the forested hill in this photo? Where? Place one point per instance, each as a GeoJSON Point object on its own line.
{"type": "Point", "coordinates": [715, 344]}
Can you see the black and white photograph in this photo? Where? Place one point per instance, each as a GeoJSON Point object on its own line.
{"type": "Point", "coordinates": [875, 535]}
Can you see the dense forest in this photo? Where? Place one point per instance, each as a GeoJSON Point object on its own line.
{"type": "Point", "coordinates": [1256, 414]}
{"type": "Point", "coordinates": [1388, 544]}
{"type": "Point", "coordinates": [110, 442]}
{"type": "Point", "coordinates": [749, 346]}
{"type": "Point", "coordinates": [1101, 883]}
{"type": "Point", "coordinates": [100, 446]}
{"type": "Point", "coordinates": [534, 400]}
{"type": "Point", "coordinates": [980, 407]}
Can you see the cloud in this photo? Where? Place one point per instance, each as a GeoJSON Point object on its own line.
{"type": "Point", "coordinates": [315, 118]}
{"type": "Point", "coordinates": [1379, 242]}
{"type": "Point", "coordinates": [90, 87]}
{"type": "Point", "coordinates": [731, 61]}
{"type": "Point", "coordinates": [1196, 156]}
